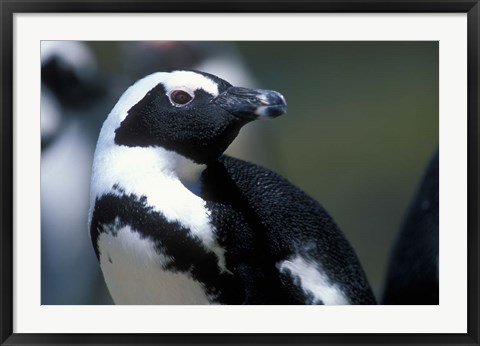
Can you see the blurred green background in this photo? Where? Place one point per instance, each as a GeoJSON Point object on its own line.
{"type": "Point", "coordinates": [361, 126]}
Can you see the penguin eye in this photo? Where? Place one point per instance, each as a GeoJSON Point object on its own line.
{"type": "Point", "coordinates": [180, 97]}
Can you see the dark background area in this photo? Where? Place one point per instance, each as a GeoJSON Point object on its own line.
{"type": "Point", "coordinates": [361, 126]}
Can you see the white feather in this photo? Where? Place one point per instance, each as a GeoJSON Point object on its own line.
{"type": "Point", "coordinates": [313, 281]}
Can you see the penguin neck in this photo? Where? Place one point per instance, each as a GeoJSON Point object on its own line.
{"type": "Point", "coordinates": [152, 160]}
{"type": "Point", "coordinates": [187, 171]}
{"type": "Point", "coordinates": [140, 168]}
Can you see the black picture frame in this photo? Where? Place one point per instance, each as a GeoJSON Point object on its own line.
{"type": "Point", "coordinates": [7, 176]}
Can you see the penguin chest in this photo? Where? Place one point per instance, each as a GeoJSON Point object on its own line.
{"type": "Point", "coordinates": [137, 271]}
{"type": "Point", "coordinates": [149, 256]}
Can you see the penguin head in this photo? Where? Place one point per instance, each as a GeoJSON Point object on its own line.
{"type": "Point", "coordinates": [193, 113]}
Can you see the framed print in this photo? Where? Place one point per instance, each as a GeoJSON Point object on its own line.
{"type": "Point", "coordinates": [241, 173]}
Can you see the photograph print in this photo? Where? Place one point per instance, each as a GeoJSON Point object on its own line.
{"type": "Point", "coordinates": [246, 172]}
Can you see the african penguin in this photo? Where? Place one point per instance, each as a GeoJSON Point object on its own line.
{"type": "Point", "coordinates": [173, 221]}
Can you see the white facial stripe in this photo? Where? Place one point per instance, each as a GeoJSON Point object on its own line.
{"type": "Point", "coordinates": [313, 281]}
{"type": "Point", "coordinates": [190, 81]}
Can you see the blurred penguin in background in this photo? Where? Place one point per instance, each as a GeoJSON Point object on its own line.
{"type": "Point", "coordinates": [71, 93]}
{"type": "Point", "coordinates": [412, 277]}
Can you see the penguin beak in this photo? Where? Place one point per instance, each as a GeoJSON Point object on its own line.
{"type": "Point", "coordinates": [251, 104]}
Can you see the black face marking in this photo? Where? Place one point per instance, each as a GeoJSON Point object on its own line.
{"type": "Point", "coordinates": [199, 126]}
{"type": "Point", "coordinates": [198, 130]}
{"type": "Point", "coordinates": [170, 238]}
